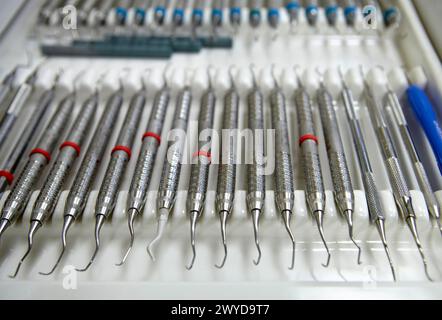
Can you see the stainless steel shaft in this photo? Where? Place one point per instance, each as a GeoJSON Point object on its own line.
{"type": "Point", "coordinates": [38, 160]}
{"type": "Point", "coordinates": [284, 180]}
{"type": "Point", "coordinates": [315, 193]}
{"type": "Point", "coordinates": [227, 167]}
{"type": "Point", "coordinates": [375, 210]}
{"type": "Point", "coordinates": [343, 187]}
{"type": "Point", "coordinates": [148, 153]}
{"type": "Point", "coordinates": [69, 152]}
{"type": "Point", "coordinates": [308, 141]}
{"type": "Point", "coordinates": [110, 186]}
{"type": "Point", "coordinates": [79, 192]}
{"type": "Point", "coordinates": [392, 101]}
{"type": "Point", "coordinates": [256, 169]}
{"type": "Point", "coordinates": [172, 168]}
{"type": "Point", "coordinates": [199, 177]}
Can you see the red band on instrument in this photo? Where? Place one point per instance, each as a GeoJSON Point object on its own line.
{"type": "Point", "coordinates": [123, 148]}
{"type": "Point", "coordinates": [152, 135]}
{"type": "Point", "coordinates": [201, 153]}
{"type": "Point", "coordinates": [308, 137]}
{"type": "Point", "coordinates": [44, 153]}
{"type": "Point", "coordinates": [71, 144]}
{"type": "Point", "coordinates": [7, 175]}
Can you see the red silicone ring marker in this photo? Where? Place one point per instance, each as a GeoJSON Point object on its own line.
{"type": "Point", "coordinates": [152, 135]}
{"type": "Point", "coordinates": [71, 144]}
{"type": "Point", "coordinates": [123, 148]}
{"type": "Point", "coordinates": [308, 137]}
{"type": "Point", "coordinates": [44, 153]}
{"type": "Point", "coordinates": [7, 175]}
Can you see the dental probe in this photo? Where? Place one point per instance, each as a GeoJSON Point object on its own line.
{"type": "Point", "coordinates": [308, 143]}
{"type": "Point", "coordinates": [120, 156]}
{"type": "Point", "coordinates": [255, 170]}
{"type": "Point", "coordinates": [39, 158]}
{"type": "Point", "coordinates": [343, 187]}
{"type": "Point", "coordinates": [434, 210]}
{"type": "Point", "coordinates": [284, 181]}
{"type": "Point", "coordinates": [199, 177]}
{"type": "Point", "coordinates": [401, 191]}
{"type": "Point", "coordinates": [375, 209]}
{"type": "Point", "coordinates": [146, 160]}
{"type": "Point", "coordinates": [225, 192]}
{"type": "Point", "coordinates": [80, 189]}
{"type": "Point", "coordinates": [69, 152]}
{"type": "Point", "coordinates": [172, 168]}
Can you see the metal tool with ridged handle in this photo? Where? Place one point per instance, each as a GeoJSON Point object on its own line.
{"type": "Point", "coordinates": [284, 180]}
{"type": "Point", "coordinates": [79, 193]}
{"type": "Point", "coordinates": [225, 192]}
{"type": "Point", "coordinates": [172, 167]}
{"type": "Point", "coordinates": [401, 191]}
{"type": "Point", "coordinates": [69, 152]}
{"type": "Point", "coordinates": [40, 157]}
{"type": "Point", "coordinates": [343, 187]}
{"type": "Point", "coordinates": [311, 164]}
{"type": "Point", "coordinates": [199, 176]}
{"type": "Point", "coordinates": [146, 161]}
{"type": "Point", "coordinates": [11, 162]}
{"type": "Point", "coordinates": [391, 100]}
{"type": "Point", "coordinates": [255, 170]}
{"type": "Point", "coordinates": [375, 209]}
{"type": "Point", "coordinates": [120, 156]}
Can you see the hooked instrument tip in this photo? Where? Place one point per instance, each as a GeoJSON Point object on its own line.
{"type": "Point", "coordinates": [99, 223]}
{"type": "Point", "coordinates": [68, 220]}
{"type": "Point", "coordinates": [130, 221]}
{"type": "Point", "coordinates": [193, 219]}
{"type": "Point", "coordinates": [162, 221]}
{"type": "Point", "coordinates": [319, 216]}
{"type": "Point", "coordinates": [349, 217]}
{"type": "Point", "coordinates": [286, 216]}
{"type": "Point", "coordinates": [411, 222]}
{"type": "Point", "coordinates": [35, 225]}
{"type": "Point", "coordinates": [223, 218]}
{"type": "Point", "coordinates": [255, 217]}
{"type": "Point", "coordinates": [381, 229]}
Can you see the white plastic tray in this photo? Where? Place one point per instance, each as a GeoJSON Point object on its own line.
{"type": "Point", "coordinates": [140, 278]}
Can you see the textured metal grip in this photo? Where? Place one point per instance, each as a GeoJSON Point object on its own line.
{"type": "Point", "coordinates": [115, 171]}
{"type": "Point", "coordinates": [172, 168]}
{"type": "Point", "coordinates": [81, 187]}
{"type": "Point", "coordinates": [255, 170]}
{"type": "Point", "coordinates": [199, 177]}
{"type": "Point", "coordinates": [227, 167]}
{"type": "Point", "coordinates": [284, 181]}
{"type": "Point", "coordinates": [48, 197]}
{"type": "Point", "coordinates": [146, 159]}
{"type": "Point", "coordinates": [19, 196]}
{"type": "Point", "coordinates": [335, 149]}
{"type": "Point", "coordinates": [309, 148]}
{"type": "Point", "coordinates": [373, 200]}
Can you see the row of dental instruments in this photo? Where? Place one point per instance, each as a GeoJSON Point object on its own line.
{"type": "Point", "coordinates": [309, 143]}
{"type": "Point", "coordinates": [180, 12]}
